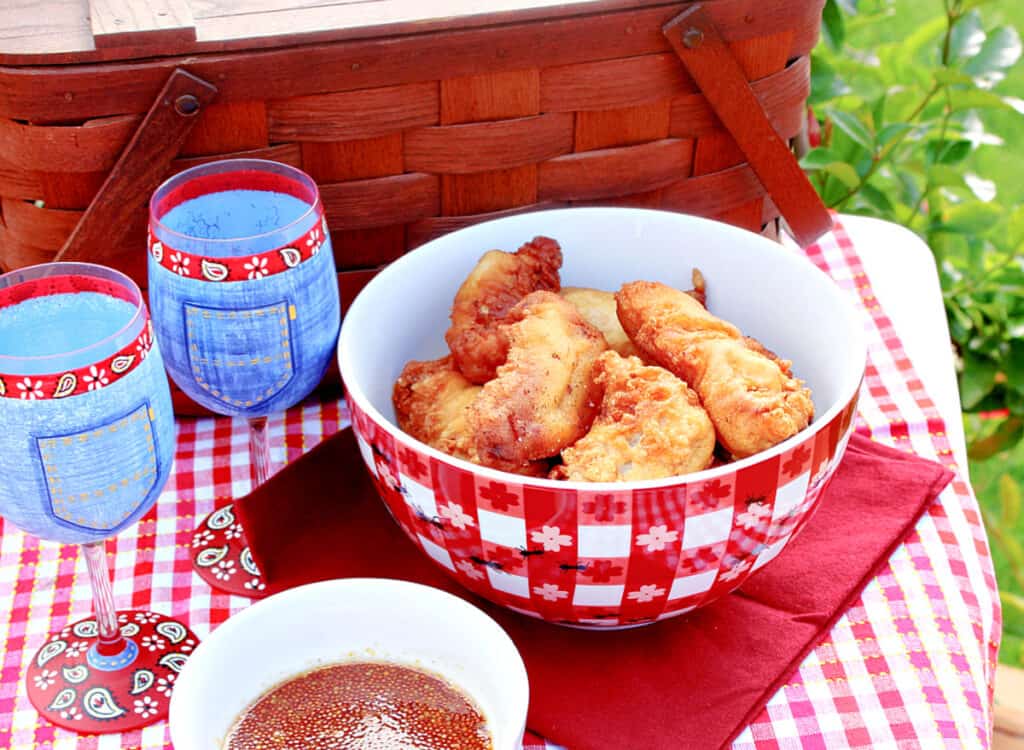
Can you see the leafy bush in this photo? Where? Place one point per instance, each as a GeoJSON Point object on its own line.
{"type": "Point", "coordinates": [921, 124]}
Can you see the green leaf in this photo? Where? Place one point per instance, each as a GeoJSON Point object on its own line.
{"type": "Point", "coordinates": [854, 128]}
{"type": "Point", "coordinates": [878, 200]}
{"type": "Point", "coordinates": [967, 38]}
{"type": "Point", "coordinates": [972, 217]}
{"type": "Point", "coordinates": [948, 76]}
{"type": "Point", "coordinates": [819, 158]}
{"type": "Point", "coordinates": [892, 131]}
{"type": "Point", "coordinates": [947, 152]}
{"type": "Point", "coordinates": [1004, 437]}
{"type": "Point", "coordinates": [1009, 500]}
{"type": "Point", "coordinates": [977, 379]}
{"type": "Point", "coordinates": [1013, 366]}
{"type": "Point", "coordinates": [845, 173]}
{"type": "Point", "coordinates": [946, 176]}
{"type": "Point", "coordinates": [833, 25]}
{"type": "Point", "coordinates": [1001, 50]}
{"type": "Point", "coordinates": [1015, 227]}
{"type": "Point", "coordinates": [849, 7]}
{"type": "Point", "coordinates": [975, 98]}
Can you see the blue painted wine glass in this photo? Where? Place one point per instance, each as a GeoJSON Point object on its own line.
{"type": "Point", "coordinates": [86, 447]}
{"type": "Point", "coordinates": [245, 305]}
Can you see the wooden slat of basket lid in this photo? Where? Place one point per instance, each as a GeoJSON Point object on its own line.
{"type": "Point", "coordinates": [490, 96]}
{"type": "Point", "coordinates": [478, 147]}
{"type": "Point", "coordinates": [615, 171]}
{"type": "Point", "coordinates": [711, 194]}
{"type": "Point", "coordinates": [605, 128]}
{"type": "Point", "coordinates": [372, 246]}
{"type": "Point", "coordinates": [67, 38]}
{"type": "Point", "coordinates": [353, 114]}
{"type": "Point", "coordinates": [90, 147]}
{"type": "Point", "coordinates": [351, 282]}
{"type": "Point", "coordinates": [612, 84]}
{"type": "Point", "coordinates": [15, 254]}
{"type": "Point", "coordinates": [432, 227]}
{"type": "Point", "coordinates": [783, 96]}
{"type": "Point", "coordinates": [39, 227]}
{"type": "Point", "coordinates": [117, 23]}
{"type": "Point", "coordinates": [359, 159]}
{"type": "Point", "coordinates": [16, 182]}
{"type": "Point", "coordinates": [85, 91]}
{"type": "Point", "coordinates": [647, 199]}
{"type": "Point", "coordinates": [70, 189]}
{"type": "Point", "coordinates": [287, 153]}
{"type": "Point", "coordinates": [228, 126]}
{"type": "Point", "coordinates": [481, 192]}
{"type": "Point", "coordinates": [382, 201]}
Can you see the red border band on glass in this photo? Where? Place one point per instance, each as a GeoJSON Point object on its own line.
{"type": "Point", "coordinates": [82, 379]}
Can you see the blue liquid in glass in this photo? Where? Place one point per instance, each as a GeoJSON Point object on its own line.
{"type": "Point", "coordinates": [233, 214]}
{"type": "Point", "coordinates": [61, 323]}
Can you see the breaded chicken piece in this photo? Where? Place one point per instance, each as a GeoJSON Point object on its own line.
{"type": "Point", "coordinates": [431, 401]}
{"type": "Point", "coordinates": [650, 426]}
{"type": "Point", "coordinates": [751, 396]}
{"type": "Point", "coordinates": [498, 282]}
{"type": "Point", "coordinates": [544, 397]}
{"type": "Point", "coordinates": [598, 308]}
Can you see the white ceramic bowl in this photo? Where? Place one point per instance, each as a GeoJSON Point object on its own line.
{"type": "Point", "coordinates": [575, 552]}
{"type": "Point", "coordinates": [349, 619]}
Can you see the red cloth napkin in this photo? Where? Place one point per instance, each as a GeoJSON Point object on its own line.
{"type": "Point", "coordinates": [691, 682]}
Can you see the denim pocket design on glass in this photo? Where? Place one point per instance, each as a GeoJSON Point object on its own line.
{"type": "Point", "coordinates": [241, 356]}
{"type": "Point", "coordinates": [98, 478]}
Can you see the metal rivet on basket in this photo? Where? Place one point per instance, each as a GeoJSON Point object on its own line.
{"type": "Point", "coordinates": [692, 38]}
{"type": "Point", "coordinates": [186, 105]}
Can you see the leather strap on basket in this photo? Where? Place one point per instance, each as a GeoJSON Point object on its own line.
{"type": "Point", "coordinates": [710, 63]}
{"type": "Point", "coordinates": [143, 165]}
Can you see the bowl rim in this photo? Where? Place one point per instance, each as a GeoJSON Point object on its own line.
{"type": "Point", "coordinates": [848, 391]}
{"type": "Point", "coordinates": [514, 716]}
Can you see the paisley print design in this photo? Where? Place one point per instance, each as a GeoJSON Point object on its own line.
{"type": "Point", "coordinates": [65, 385]}
{"type": "Point", "coordinates": [76, 674]}
{"type": "Point", "coordinates": [227, 269]}
{"type": "Point", "coordinates": [173, 631]}
{"type": "Point", "coordinates": [50, 651]}
{"type": "Point", "coordinates": [221, 519]}
{"type": "Point", "coordinates": [142, 680]}
{"type": "Point", "coordinates": [99, 703]}
{"type": "Point", "coordinates": [85, 629]}
{"type": "Point", "coordinates": [63, 699]}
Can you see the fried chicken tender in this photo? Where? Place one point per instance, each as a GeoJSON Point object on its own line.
{"type": "Point", "coordinates": [431, 400]}
{"type": "Point", "coordinates": [650, 426]}
{"type": "Point", "coordinates": [482, 303]}
{"type": "Point", "coordinates": [544, 397]}
{"type": "Point", "coordinates": [751, 396]}
{"type": "Point", "coordinates": [598, 308]}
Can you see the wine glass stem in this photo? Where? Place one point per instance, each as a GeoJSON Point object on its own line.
{"type": "Point", "coordinates": [110, 639]}
{"type": "Point", "coordinates": [259, 449]}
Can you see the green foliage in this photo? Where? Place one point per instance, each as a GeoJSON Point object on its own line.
{"type": "Point", "coordinates": [921, 107]}
{"type": "Point", "coordinates": [915, 106]}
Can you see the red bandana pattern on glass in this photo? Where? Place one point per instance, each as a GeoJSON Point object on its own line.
{"type": "Point", "coordinates": [83, 379]}
{"type": "Point", "coordinates": [248, 267]}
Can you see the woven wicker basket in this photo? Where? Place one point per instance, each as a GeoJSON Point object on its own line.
{"type": "Point", "coordinates": [413, 126]}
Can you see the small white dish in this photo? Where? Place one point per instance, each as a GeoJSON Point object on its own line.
{"type": "Point", "coordinates": [353, 619]}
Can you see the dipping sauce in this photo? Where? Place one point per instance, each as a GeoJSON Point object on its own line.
{"type": "Point", "coordinates": [361, 706]}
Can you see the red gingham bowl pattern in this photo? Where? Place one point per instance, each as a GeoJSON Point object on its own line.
{"type": "Point", "coordinates": [605, 555]}
{"type": "Point", "coordinates": [596, 558]}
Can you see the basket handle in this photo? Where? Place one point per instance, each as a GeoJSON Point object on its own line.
{"type": "Point", "coordinates": [711, 64]}
{"type": "Point", "coordinates": [141, 167]}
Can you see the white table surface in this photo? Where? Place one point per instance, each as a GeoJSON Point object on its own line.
{"type": "Point", "coordinates": [904, 277]}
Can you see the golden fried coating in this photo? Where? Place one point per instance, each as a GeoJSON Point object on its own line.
{"type": "Point", "coordinates": [751, 396]}
{"type": "Point", "coordinates": [650, 426]}
{"type": "Point", "coordinates": [598, 308]}
{"type": "Point", "coordinates": [498, 282]}
{"type": "Point", "coordinates": [544, 397]}
{"type": "Point", "coordinates": [430, 400]}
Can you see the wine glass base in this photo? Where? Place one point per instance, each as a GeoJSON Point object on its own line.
{"type": "Point", "coordinates": [74, 687]}
{"type": "Point", "coordinates": [221, 556]}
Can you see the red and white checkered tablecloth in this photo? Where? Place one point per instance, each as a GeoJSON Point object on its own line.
{"type": "Point", "coordinates": [911, 664]}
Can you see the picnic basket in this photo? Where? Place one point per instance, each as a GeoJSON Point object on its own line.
{"type": "Point", "coordinates": [414, 118]}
